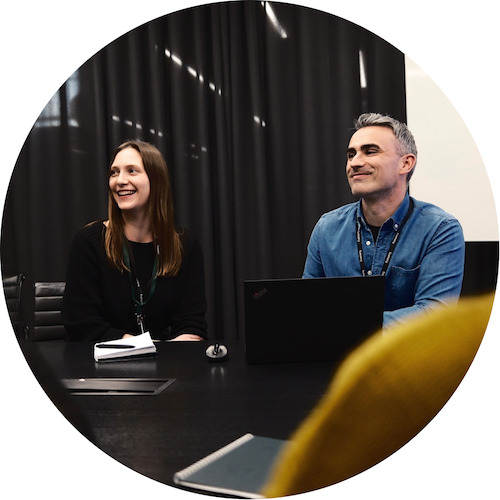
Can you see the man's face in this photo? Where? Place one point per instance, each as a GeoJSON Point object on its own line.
{"type": "Point", "coordinates": [375, 169]}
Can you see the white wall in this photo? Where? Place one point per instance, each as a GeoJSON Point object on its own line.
{"type": "Point", "coordinates": [450, 172]}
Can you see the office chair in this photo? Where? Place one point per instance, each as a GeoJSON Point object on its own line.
{"type": "Point", "coordinates": [47, 323]}
{"type": "Point", "coordinates": [12, 287]}
{"type": "Point", "coordinates": [383, 394]}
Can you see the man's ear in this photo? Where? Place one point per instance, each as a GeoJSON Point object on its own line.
{"type": "Point", "coordinates": [408, 163]}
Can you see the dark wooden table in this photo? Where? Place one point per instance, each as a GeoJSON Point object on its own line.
{"type": "Point", "coordinates": [208, 405]}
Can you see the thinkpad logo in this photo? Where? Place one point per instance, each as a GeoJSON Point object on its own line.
{"type": "Point", "coordinates": [259, 294]}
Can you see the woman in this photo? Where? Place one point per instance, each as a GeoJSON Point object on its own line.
{"type": "Point", "coordinates": [135, 271]}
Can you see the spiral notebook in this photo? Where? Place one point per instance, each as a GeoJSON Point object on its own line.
{"type": "Point", "coordinates": [241, 468]}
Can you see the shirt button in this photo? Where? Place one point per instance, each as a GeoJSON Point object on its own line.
{"type": "Point", "coordinates": [369, 273]}
{"type": "Point", "coordinates": [368, 243]}
{"type": "Point", "coordinates": [396, 226]}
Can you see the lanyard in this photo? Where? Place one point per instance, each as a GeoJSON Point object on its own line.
{"type": "Point", "coordinates": [137, 292]}
{"type": "Point", "coordinates": [390, 252]}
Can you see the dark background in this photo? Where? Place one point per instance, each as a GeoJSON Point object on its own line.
{"type": "Point", "coordinates": [253, 125]}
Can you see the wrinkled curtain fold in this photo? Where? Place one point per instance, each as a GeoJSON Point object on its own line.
{"type": "Point", "coordinates": [252, 117]}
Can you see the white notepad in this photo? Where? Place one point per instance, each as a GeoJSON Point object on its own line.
{"type": "Point", "coordinates": [136, 346]}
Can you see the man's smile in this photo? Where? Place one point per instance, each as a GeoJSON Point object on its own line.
{"type": "Point", "coordinates": [359, 175]}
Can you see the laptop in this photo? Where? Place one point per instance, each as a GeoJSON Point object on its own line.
{"type": "Point", "coordinates": [313, 319]}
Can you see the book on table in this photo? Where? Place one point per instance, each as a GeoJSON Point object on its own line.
{"type": "Point", "coordinates": [130, 347]}
{"type": "Point", "coordinates": [240, 469]}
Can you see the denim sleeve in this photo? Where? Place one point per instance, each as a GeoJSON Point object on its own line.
{"type": "Point", "coordinates": [440, 272]}
{"type": "Point", "coordinates": [314, 267]}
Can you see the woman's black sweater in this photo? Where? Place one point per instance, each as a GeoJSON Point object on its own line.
{"type": "Point", "coordinates": [98, 303]}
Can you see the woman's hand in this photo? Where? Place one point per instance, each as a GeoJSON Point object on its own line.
{"type": "Point", "coordinates": [187, 336]}
{"type": "Point", "coordinates": [182, 337]}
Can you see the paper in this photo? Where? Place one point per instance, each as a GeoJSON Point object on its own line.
{"type": "Point", "coordinates": [138, 345]}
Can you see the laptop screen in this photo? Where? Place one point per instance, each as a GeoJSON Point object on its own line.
{"type": "Point", "coordinates": [314, 319]}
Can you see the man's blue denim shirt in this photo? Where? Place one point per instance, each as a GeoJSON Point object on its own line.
{"type": "Point", "coordinates": [426, 268]}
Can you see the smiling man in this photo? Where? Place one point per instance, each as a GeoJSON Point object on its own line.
{"type": "Point", "coordinates": [417, 246]}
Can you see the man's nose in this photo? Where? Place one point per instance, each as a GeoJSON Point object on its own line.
{"type": "Point", "coordinates": [356, 161]}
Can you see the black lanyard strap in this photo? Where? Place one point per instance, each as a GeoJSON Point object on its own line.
{"type": "Point", "coordinates": [392, 246]}
{"type": "Point", "coordinates": [137, 292]}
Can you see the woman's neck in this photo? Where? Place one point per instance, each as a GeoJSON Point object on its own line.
{"type": "Point", "coordinates": [137, 229]}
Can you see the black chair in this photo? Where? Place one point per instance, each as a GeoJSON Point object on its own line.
{"type": "Point", "coordinates": [12, 287]}
{"type": "Point", "coordinates": [47, 323]}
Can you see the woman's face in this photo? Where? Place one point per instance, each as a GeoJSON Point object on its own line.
{"type": "Point", "coordinates": [129, 182]}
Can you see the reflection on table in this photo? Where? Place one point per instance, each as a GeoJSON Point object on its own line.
{"type": "Point", "coordinates": [208, 405]}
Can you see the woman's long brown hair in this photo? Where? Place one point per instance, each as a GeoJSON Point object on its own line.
{"type": "Point", "coordinates": [161, 214]}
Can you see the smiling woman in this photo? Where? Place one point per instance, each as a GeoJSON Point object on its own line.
{"type": "Point", "coordinates": [130, 187]}
{"type": "Point", "coordinates": [135, 271]}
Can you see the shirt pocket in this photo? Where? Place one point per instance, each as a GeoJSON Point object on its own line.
{"type": "Point", "coordinates": [400, 287]}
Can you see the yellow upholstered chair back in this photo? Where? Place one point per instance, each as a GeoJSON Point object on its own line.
{"type": "Point", "coordinates": [381, 396]}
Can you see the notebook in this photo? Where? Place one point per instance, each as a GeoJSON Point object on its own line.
{"type": "Point", "coordinates": [122, 349]}
{"type": "Point", "coordinates": [314, 319]}
{"type": "Point", "coordinates": [240, 468]}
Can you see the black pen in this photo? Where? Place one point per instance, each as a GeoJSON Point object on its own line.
{"type": "Point", "coordinates": [114, 346]}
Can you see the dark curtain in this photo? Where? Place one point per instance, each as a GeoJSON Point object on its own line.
{"type": "Point", "coordinates": [253, 114]}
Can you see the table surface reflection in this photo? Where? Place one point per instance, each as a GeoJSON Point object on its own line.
{"type": "Point", "coordinates": [208, 405]}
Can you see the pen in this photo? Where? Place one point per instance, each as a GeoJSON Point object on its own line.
{"type": "Point", "coordinates": [114, 346]}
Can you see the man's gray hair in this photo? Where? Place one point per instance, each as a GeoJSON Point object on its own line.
{"type": "Point", "coordinates": [401, 132]}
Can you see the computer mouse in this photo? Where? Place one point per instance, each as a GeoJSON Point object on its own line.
{"type": "Point", "coordinates": [216, 352]}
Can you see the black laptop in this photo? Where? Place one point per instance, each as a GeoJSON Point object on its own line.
{"type": "Point", "coordinates": [314, 319]}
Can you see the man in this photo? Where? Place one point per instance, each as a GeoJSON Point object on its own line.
{"type": "Point", "coordinates": [417, 246]}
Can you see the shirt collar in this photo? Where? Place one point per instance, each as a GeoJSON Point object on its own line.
{"type": "Point", "coordinates": [395, 219]}
{"type": "Point", "coordinates": [401, 212]}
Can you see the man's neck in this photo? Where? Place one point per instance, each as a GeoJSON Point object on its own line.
{"type": "Point", "coordinates": [376, 212]}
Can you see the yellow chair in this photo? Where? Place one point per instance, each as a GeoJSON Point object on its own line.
{"type": "Point", "coordinates": [382, 395]}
